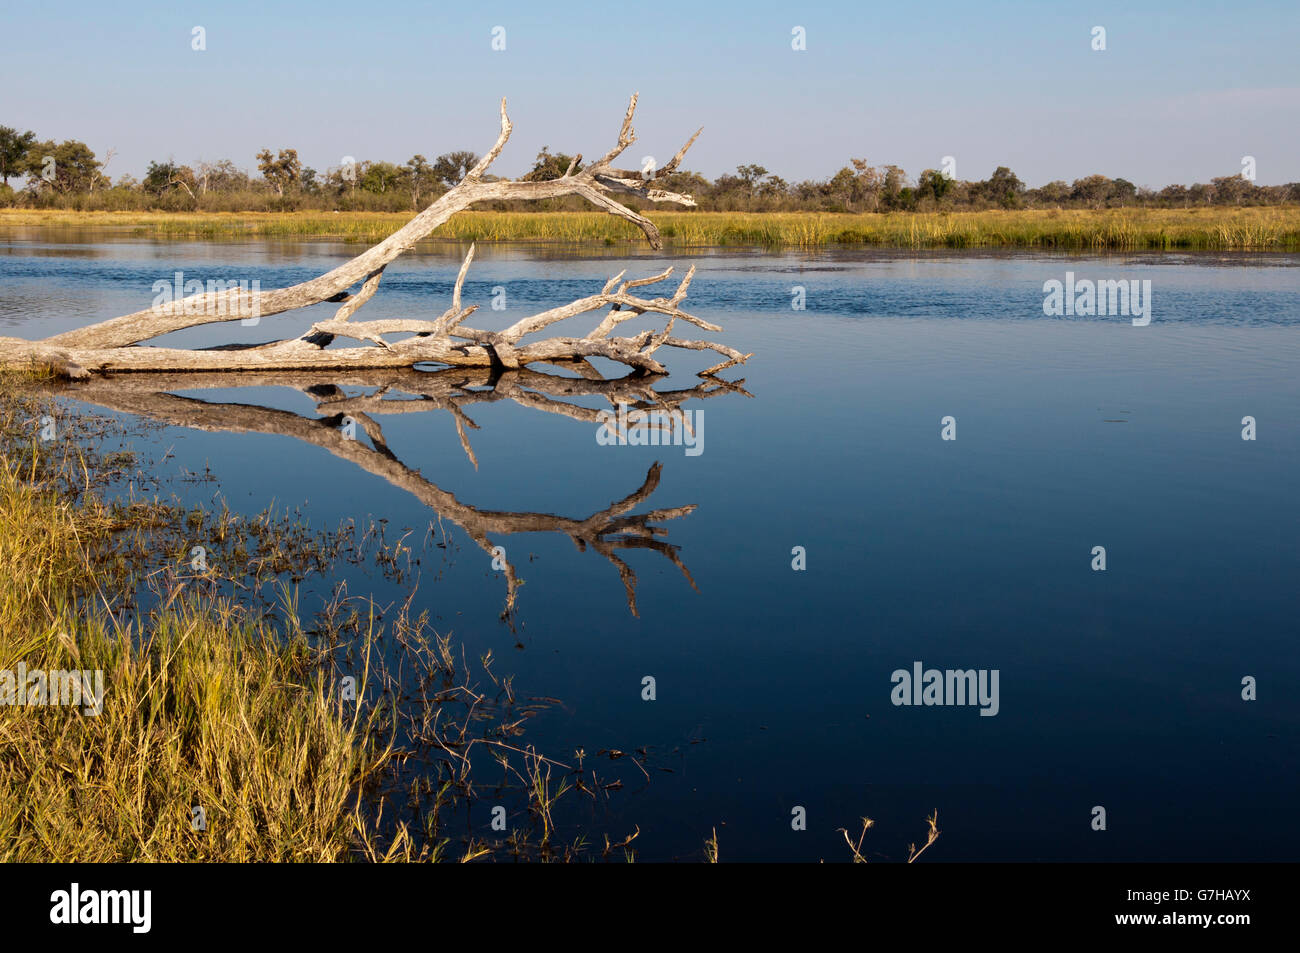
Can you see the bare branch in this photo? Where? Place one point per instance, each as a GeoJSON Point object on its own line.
{"type": "Point", "coordinates": [460, 279]}
{"type": "Point", "coordinates": [113, 345]}
{"type": "Point", "coordinates": [352, 305]}
{"type": "Point", "coordinates": [482, 165]}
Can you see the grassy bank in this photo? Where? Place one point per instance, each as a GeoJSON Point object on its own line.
{"type": "Point", "coordinates": [201, 706]}
{"type": "Point", "coordinates": [185, 724]}
{"type": "Point", "coordinates": [201, 730]}
{"type": "Point", "coordinates": [1250, 228]}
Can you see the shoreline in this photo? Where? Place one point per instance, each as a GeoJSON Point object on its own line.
{"type": "Point", "coordinates": [1253, 228]}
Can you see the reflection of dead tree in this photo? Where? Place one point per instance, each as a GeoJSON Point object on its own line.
{"type": "Point", "coordinates": [114, 345]}
{"type": "Point", "coordinates": [454, 390]}
{"type": "Point", "coordinates": [607, 531]}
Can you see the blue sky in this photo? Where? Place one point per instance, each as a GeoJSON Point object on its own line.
{"type": "Point", "coordinates": [1181, 93]}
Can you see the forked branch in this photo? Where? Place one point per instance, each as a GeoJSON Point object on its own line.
{"type": "Point", "coordinates": [114, 345]}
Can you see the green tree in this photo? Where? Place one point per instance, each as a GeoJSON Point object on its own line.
{"type": "Point", "coordinates": [1232, 190]}
{"type": "Point", "coordinates": [379, 177]}
{"type": "Point", "coordinates": [750, 175]}
{"type": "Point", "coordinates": [70, 166]}
{"type": "Point", "coordinates": [282, 171]}
{"type": "Point", "coordinates": [893, 184]}
{"type": "Point", "coordinates": [550, 166]}
{"type": "Point", "coordinates": [450, 167]}
{"type": "Point", "coordinates": [158, 178]}
{"type": "Point", "coordinates": [934, 185]}
{"type": "Point", "coordinates": [221, 176]}
{"type": "Point", "coordinates": [167, 176]}
{"type": "Point", "coordinates": [857, 188]}
{"type": "Point", "coordinates": [420, 178]}
{"type": "Point", "coordinates": [13, 150]}
{"type": "Point", "coordinates": [1003, 187]}
{"type": "Point", "coordinates": [1174, 195]}
{"type": "Point", "coordinates": [685, 183]}
{"type": "Point", "coordinates": [1123, 192]}
{"type": "Point", "coordinates": [1091, 190]}
{"type": "Point", "coordinates": [1053, 193]}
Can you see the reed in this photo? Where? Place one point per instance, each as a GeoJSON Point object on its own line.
{"type": "Point", "coordinates": [220, 735]}
{"type": "Point", "coordinates": [1129, 229]}
{"type": "Point", "coordinates": [204, 715]}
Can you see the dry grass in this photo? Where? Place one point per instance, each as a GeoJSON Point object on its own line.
{"type": "Point", "coordinates": [913, 852]}
{"type": "Point", "coordinates": [209, 708]}
{"type": "Point", "coordinates": [206, 706]}
{"type": "Point", "coordinates": [203, 708]}
{"type": "Point", "coordinates": [1213, 228]}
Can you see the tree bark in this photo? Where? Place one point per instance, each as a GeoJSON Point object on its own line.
{"type": "Point", "coordinates": [114, 345]}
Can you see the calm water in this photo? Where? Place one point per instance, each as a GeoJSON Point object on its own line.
{"type": "Point", "coordinates": [1119, 688]}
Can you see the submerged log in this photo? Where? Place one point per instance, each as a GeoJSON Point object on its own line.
{"type": "Point", "coordinates": [116, 345]}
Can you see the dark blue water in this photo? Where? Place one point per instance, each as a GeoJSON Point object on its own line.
{"type": "Point", "coordinates": [1119, 688]}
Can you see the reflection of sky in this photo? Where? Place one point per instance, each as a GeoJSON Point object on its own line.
{"type": "Point", "coordinates": [51, 288]}
{"type": "Point", "coordinates": [1119, 688]}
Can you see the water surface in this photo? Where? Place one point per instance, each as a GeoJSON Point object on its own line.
{"type": "Point", "coordinates": [1119, 688]}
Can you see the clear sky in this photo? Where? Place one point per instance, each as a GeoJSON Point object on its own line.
{"type": "Point", "coordinates": [1182, 92]}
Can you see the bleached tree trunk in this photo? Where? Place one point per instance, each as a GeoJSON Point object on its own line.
{"type": "Point", "coordinates": [114, 345]}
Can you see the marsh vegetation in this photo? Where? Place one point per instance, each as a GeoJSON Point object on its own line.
{"type": "Point", "coordinates": [1129, 229]}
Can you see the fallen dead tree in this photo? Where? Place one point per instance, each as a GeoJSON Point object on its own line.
{"type": "Point", "coordinates": [116, 345]}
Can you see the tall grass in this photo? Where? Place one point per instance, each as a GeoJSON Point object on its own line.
{"type": "Point", "coordinates": [211, 713]}
{"type": "Point", "coordinates": [222, 737]}
{"type": "Point", "coordinates": [203, 708]}
{"type": "Point", "coordinates": [1217, 228]}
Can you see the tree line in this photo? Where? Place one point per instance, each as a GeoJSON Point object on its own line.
{"type": "Point", "coordinates": [68, 174]}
